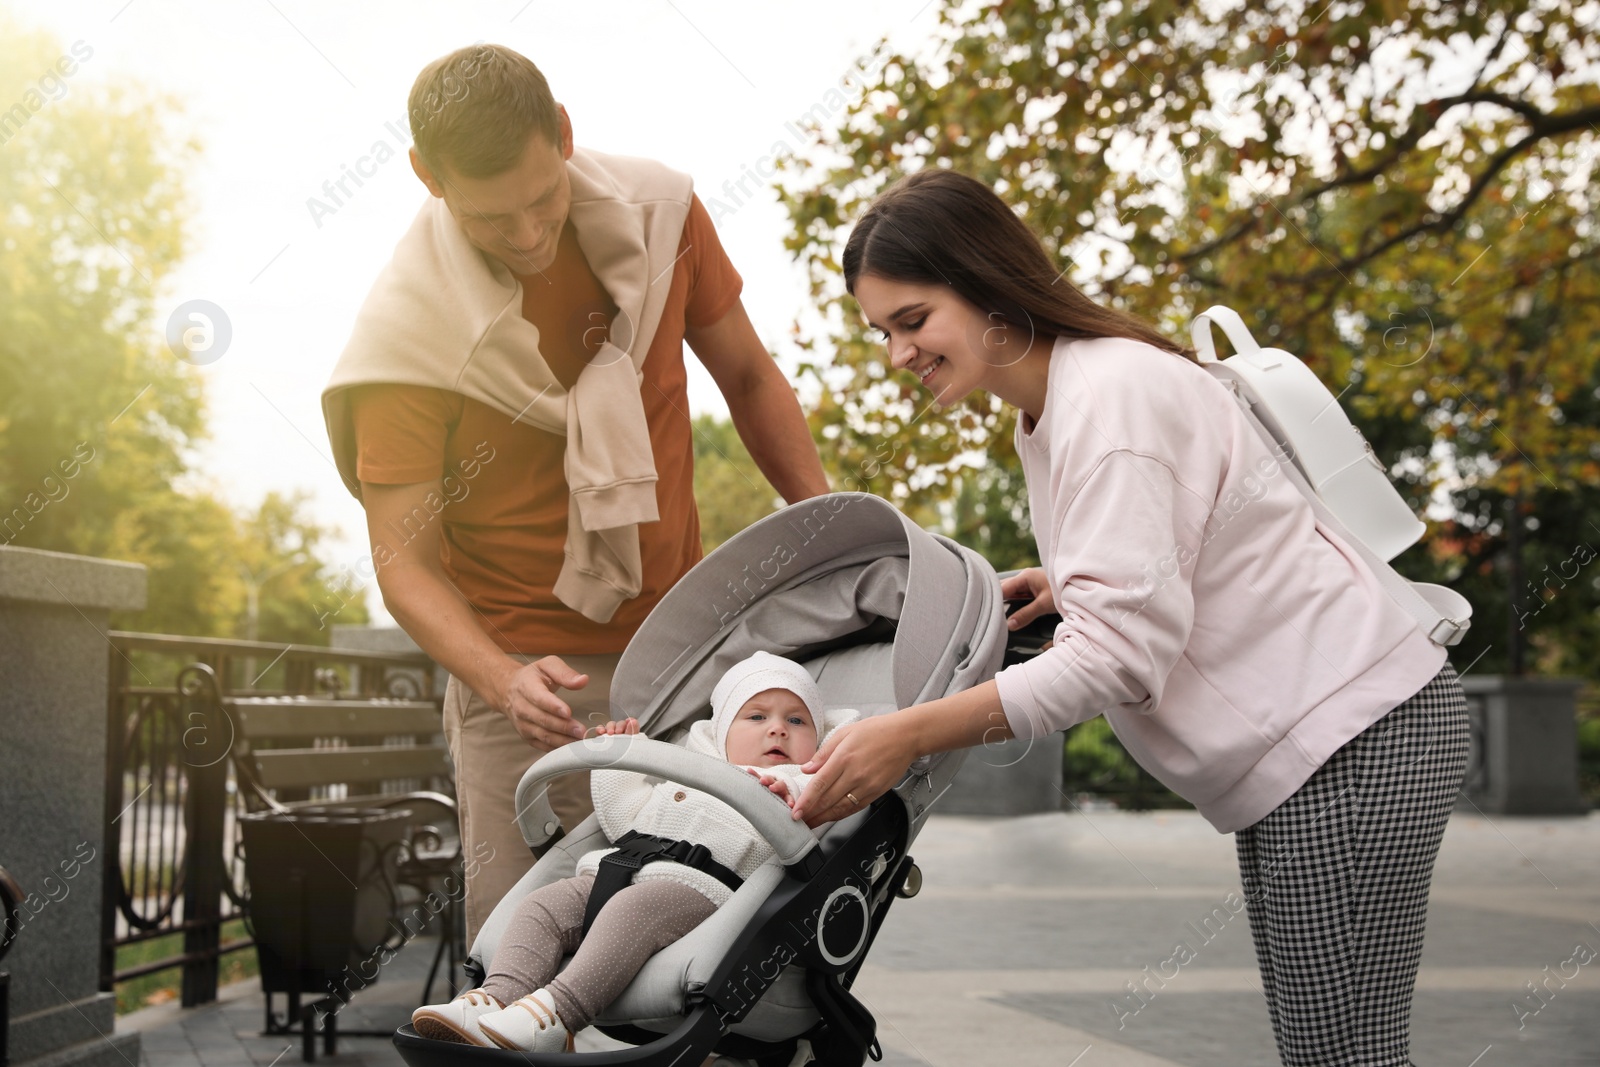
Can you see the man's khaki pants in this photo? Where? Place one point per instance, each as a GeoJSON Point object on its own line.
{"type": "Point", "coordinates": [490, 758]}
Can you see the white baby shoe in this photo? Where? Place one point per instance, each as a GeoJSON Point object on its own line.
{"type": "Point", "coordinates": [528, 1025]}
{"type": "Point", "coordinates": [458, 1020]}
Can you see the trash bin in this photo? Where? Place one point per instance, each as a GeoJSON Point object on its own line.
{"type": "Point", "coordinates": [1524, 746]}
{"type": "Point", "coordinates": [322, 893]}
{"type": "Point", "coordinates": [11, 898]}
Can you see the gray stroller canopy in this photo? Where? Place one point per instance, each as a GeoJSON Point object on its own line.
{"type": "Point", "coordinates": [885, 615]}
{"type": "Point", "coordinates": [812, 582]}
{"type": "Point", "coordinates": [826, 573]}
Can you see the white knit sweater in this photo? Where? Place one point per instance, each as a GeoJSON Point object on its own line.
{"type": "Point", "coordinates": [625, 800]}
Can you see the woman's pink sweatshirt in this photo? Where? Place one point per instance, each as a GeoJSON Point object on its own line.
{"type": "Point", "coordinates": [1232, 641]}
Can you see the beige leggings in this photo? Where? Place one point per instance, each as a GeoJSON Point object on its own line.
{"type": "Point", "coordinates": [634, 925]}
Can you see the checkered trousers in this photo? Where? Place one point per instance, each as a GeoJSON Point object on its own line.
{"type": "Point", "coordinates": [1336, 883]}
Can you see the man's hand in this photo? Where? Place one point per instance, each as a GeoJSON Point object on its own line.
{"type": "Point", "coordinates": [432, 610]}
{"type": "Point", "coordinates": [529, 700]}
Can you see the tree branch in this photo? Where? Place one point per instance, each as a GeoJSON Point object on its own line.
{"type": "Point", "coordinates": [1541, 126]}
{"type": "Point", "coordinates": [1533, 115]}
{"type": "Point", "coordinates": [1431, 223]}
{"type": "Point", "coordinates": [1494, 53]}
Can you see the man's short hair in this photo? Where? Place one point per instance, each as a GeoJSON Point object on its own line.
{"type": "Point", "coordinates": [475, 109]}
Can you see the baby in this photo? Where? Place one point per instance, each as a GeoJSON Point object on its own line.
{"type": "Point", "coordinates": [768, 718]}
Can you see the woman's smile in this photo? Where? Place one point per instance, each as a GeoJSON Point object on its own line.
{"type": "Point", "coordinates": [928, 331]}
{"type": "Point", "coordinates": [953, 347]}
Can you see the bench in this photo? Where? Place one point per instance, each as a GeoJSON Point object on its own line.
{"type": "Point", "coordinates": [295, 755]}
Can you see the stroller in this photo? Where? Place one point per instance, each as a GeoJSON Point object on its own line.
{"type": "Point", "coordinates": [884, 615]}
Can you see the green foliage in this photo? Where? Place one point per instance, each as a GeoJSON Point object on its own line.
{"type": "Point", "coordinates": [729, 488]}
{"type": "Point", "coordinates": [1094, 761]}
{"type": "Point", "coordinates": [99, 423]}
{"type": "Point", "coordinates": [1399, 192]}
{"type": "Point", "coordinates": [989, 514]}
{"type": "Point", "coordinates": [92, 417]}
{"type": "Point", "coordinates": [1589, 751]}
{"type": "Point", "coordinates": [164, 987]}
{"type": "Point", "coordinates": [279, 550]}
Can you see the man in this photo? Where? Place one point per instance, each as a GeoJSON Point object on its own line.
{"type": "Point", "coordinates": [511, 410]}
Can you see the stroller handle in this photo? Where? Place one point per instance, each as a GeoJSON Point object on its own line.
{"type": "Point", "coordinates": [789, 838]}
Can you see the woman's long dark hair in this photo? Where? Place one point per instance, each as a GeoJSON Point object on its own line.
{"type": "Point", "coordinates": [940, 227]}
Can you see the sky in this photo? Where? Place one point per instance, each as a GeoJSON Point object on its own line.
{"type": "Point", "coordinates": [285, 95]}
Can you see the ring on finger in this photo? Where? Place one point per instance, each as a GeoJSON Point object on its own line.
{"type": "Point", "coordinates": [851, 797]}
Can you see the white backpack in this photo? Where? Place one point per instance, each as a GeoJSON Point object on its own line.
{"type": "Point", "coordinates": [1333, 465]}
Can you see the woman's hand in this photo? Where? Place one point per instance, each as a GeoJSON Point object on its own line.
{"type": "Point", "coordinates": [1029, 583]}
{"type": "Point", "coordinates": [859, 764]}
{"type": "Point", "coordinates": [615, 727]}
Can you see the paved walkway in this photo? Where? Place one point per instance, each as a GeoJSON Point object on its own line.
{"type": "Point", "coordinates": [1020, 948]}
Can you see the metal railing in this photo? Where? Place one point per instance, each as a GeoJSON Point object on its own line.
{"type": "Point", "coordinates": [174, 860]}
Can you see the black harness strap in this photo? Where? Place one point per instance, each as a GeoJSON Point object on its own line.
{"type": "Point", "coordinates": [634, 850]}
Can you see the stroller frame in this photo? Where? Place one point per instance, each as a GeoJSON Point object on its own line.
{"type": "Point", "coordinates": [807, 920]}
{"type": "Point", "coordinates": [823, 900]}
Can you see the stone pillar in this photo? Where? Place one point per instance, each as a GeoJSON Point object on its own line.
{"type": "Point", "coordinates": [1524, 746]}
{"type": "Point", "coordinates": [53, 696]}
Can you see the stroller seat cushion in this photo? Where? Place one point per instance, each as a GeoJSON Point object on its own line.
{"type": "Point", "coordinates": [656, 998]}
{"type": "Point", "coordinates": [560, 861]}
{"type": "Point", "coordinates": [658, 992]}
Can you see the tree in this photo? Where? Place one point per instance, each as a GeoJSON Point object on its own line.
{"type": "Point", "coordinates": [99, 422]}
{"type": "Point", "coordinates": [1399, 192]}
{"type": "Point", "coordinates": [91, 415]}
{"type": "Point", "coordinates": [278, 553]}
{"type": "Point", "coordinates": [730, 489]}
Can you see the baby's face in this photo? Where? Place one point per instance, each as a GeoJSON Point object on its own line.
{"type": "Point", "coordinates": [771, 729]}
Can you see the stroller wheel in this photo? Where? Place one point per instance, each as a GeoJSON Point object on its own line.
{"type": "Point", "coordinates": [913, 883]}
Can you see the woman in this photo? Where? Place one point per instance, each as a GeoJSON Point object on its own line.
{"type": "Point", "coordinates": [1243, 654]}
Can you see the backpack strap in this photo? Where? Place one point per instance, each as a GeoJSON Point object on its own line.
{"type": "Point", "coordinates": [1444, 614]}
{"type": "Point", "coordinates": [1244, 342]}
{"type": "Point", "coordinates": [634, 850]}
